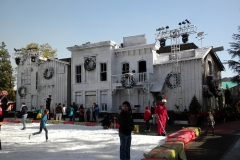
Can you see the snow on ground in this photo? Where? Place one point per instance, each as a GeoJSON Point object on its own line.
{"type": "Point", "coordinates": [69, 142]}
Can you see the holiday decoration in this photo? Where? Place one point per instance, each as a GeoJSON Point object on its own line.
{"type": "Point", "coordinates": [22, 91]}
{"type": "Point", "coordinates": [89, 64]}
{"type": "Point", "coordinates": [48, 73]}
{"type": "Point", "coordinates": [128, 80]}
{"type": "Point", "coordinates": [177, 79]}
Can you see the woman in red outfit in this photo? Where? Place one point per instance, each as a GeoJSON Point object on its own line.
{"type": "Point", "coordinates": [147, 116]}
{"type": "Point", "coordinates": [162, 116]}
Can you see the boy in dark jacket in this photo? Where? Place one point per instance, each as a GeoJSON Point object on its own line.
{"type": "Point", "coordinates": [126, 127]}
{"type": "Point", "coordinates": [24, 114]}
{"type": "Point", "coordinates": [42, 125]}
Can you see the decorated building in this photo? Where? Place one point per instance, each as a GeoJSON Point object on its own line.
{"type": "Point", "coordinates": [108, 74]}
{"type": "Point", "coordinates": [36, 81]}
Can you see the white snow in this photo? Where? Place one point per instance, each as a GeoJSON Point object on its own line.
{"type": "Point", "coordinates": [70, 142]}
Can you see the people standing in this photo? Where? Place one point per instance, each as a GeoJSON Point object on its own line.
{"type": "Point", "coordinates": [24, 114]}
{"type": "Point", "coordinates": [42, 125]}
{"type": "Point", "coordinates": [126, 127]}
{"type": "Point", "coordinates": [59, 112]}
{"type": "Point", "coordinates": [40, 112]}
{"type": "Point", "coordinates": [96, 112]}
{"type": "Point", "coordinates": [48, 104]}
{"type": "Point", "coordinates": [162, 116]}
{"type": "Point", "coordinates": [146, 118]}
{"type": "Point", "coordinates": [1, 114]}
{"type": "Point", "coordinates": [81, 114]}
{"type": "Point", "coordinates": [70, 113]}
{"type": "Point", "coordinates": [210, 122]}
{"type": "Point", "coordinates": [75, 109]}
{"type": "Point", "coordinates": [88, 114]}
{"type": "Point", "coordinates": [64, 112]}
{"type": "Point", "coordinates": [54, 111]}
{"type": "Point", "coordinates": [153, 107]}
{"type": "Point", "coordinates": [93, 108]}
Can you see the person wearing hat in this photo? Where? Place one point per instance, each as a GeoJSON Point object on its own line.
{"type": "Point", "coordinates": [126, 127]}
{"type": "Point", "coordinates": [146, 118]}
{"type": "Point", "coordinates": [162, 116]}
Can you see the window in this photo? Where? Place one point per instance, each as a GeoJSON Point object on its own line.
{"type": "Point", "coordinates": [78, 74]}
{"type": "Point", "coordinates": [103, 72]}
{"type": "Point", "coordinates": [103, 98]}
{"type": "Point", "coordinates": [23, 79]}
{"type": "Point", "coordinates": [125, 68]}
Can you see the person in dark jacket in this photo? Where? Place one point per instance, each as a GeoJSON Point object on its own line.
{"type": "Point", "coordinates": [42, 125]}
{"type": "Point", "coordinates": [126, 127]}
{"type": "Point", "coordinates": [24, 114]}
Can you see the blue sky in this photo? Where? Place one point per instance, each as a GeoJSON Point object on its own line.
{"type": "Point", "coordinates": [64, 23]}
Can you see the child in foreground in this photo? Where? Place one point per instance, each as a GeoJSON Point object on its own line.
{"type": "Point", "coordinates": [42, 125]}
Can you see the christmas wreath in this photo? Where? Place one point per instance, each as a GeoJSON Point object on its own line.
{"type": "Point", "coordinates": [176, 76]}
{"type": "Point", "coordinates": [22, 91]}
{"type": "Point", "coordinates": [48, 73]}
{"type": "Point", "coordinates": [89, 64]}
{"type": "Point", "coordinates": [128, 80]}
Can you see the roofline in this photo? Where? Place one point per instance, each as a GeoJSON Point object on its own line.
{"type": "Point", "coordinates": [60, 61]}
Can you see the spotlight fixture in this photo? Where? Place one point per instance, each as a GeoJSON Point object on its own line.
{"type": "Point", "coordinates": [183, 22]}
{"type": "Point", "coordinates": [133, 71]}
{"type": "Point", "coordinates": [162, 42]}
{"type": "Point", "coordinates": [167, 27]}
{"type": "Point", "coordinates": [188, 21]}
{"type": "Point", "coordinates": [185, 38]}
{"type": "Point", "coordinates": [179, 23]}
{"type": "Point", "coordinates": [159, 29]}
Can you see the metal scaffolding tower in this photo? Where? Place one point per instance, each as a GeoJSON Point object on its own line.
{"type": "Point", "coordinates": [163, 34]}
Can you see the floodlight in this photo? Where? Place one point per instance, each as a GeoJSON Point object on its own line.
{"type": "Point", "coordinates": [167, 27]}
{"type": "Point", "coordinates": [33, 59]}
{"type": "Point", "coordinates": [188, 21]}
{"type": "Point", "coordinates": [185, 38]}
{"type": "Point", "coordinates": [162, 42]}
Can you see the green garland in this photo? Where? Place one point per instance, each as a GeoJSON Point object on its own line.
{"type": "Point", "coordinates": [125, 78]}
{"type": "Point", "coordinates": [45, 74]}
{"type": "Point", "coordinates": [22, 94]}
{"type": "Point", "coordinates": [176, 76]}
{"type": "Point", "coordinates": [86, 64]}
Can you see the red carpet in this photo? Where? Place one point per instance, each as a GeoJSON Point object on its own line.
{"type": "Point", "coordinates": [227, 128]}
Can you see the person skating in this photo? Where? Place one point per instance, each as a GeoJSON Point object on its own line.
{"type": "Point", "coordinates": [126, 127]}
{"type": "Point", "coordinates": [24, 114]}
{"type": "Point", "coordinates": [146, 118]}
{"type": "Point", "coordinates": [162, 116]}
{"type": "Point", "coordinates": [210, 122]}
{"type": "Point", "coordinates": [42, 125]}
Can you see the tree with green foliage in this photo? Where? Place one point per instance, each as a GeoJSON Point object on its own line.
{"type": "Point", "coordinates": [46, 49]}
{"type": "Point", "coordinates": [228, 97]}
{"type": "Point", "coordinates": [234, 51]}
{"type": "Point", "coordinates": [194, 107]}
{"type": "Point", "coordinates": [7, 78]}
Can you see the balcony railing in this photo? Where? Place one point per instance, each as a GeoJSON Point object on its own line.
{"type": "Point", "coordinates": [138, 77]}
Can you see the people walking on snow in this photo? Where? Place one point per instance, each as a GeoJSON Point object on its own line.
{"type": "Point", "coordinates": [126, 127]}
{"type": "Point", "coordinates": [162, 116]}
{"type": "Point", "coordinates": [210, 122]}
{"type": "Point", "coordinates": [24, 114]}
{"type": "Point", "coordinates": [153, 107]}
{"type": "Point", "coordinates": [146, 118]}
{"type": "Point", "coordinates": [40, 112]}
{"type": "Point", "coordinates": [42, 125]}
